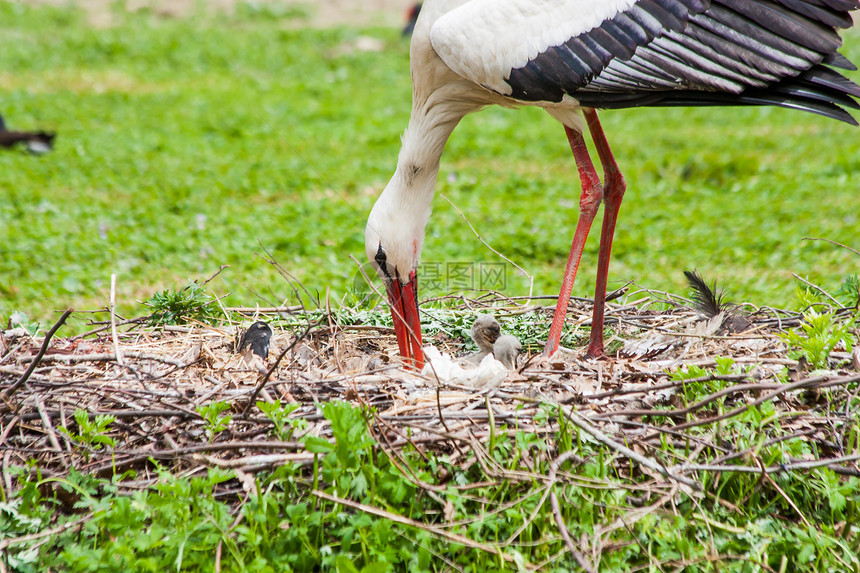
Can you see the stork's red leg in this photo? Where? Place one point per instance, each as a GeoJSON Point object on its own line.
{"type": "Point", "coordinates": [613, 193]}
{"type": "Point", "coordinates": [589, 201]}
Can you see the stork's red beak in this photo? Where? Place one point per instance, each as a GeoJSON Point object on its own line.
{"type": "Point", "coordinates": [403, 299]}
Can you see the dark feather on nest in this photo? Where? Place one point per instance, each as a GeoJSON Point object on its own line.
{"type": "Point", "coordinates": [710, 302]}
{"type": "Point", "coordinates": [706, 298]}
{"type": "Point", "coordinates": [255, 340]}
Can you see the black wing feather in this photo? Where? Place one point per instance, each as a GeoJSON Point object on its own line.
{"type": "Point", "coordinates": [706, 298]}
{"type": "Point", "coordinates": [703, 52]}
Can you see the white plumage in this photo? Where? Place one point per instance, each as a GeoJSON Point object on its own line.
{"type": "Point", "coordinates": [483, 40]}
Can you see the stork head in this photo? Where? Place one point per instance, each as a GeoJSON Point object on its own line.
{"type": "Point", "coordinates": [393, 240]}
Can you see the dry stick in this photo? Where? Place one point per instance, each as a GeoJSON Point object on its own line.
{"type": "Point", "coordinates": [782, 493]}
{"type": "Point", "coordinates": [581, 423]}
{"type": "Point", "coordinates": [106, 326]}
{"type": "Point", "coordinates": [274, 367]}
{"type": "Point", "coordinates": [462, 540]}
{"type": "Point", "coordinates": [116, 413]}
{"type": "Point", "coordinates": [556, 511]}
{"type": "Point", "coordinates": [138, 455]}
{"type": "Point", "coordinates": [49, 429]}
{"type": "Point", "coordinates": [768, 443]}
{"type": "Point", "coordinates": [683, 412]}
{"type": "Point", "coordinates": [12, 423]}
{"type": "Point", "coordinates": [665, 385]}
{"type": "Point", "coordinates": [264, 309]}
{"type": "Point", "coordinates": [785, 388]}
{"type": "Point", "coordinates": [500, 255]}
{"type": "Point", "coordinates": [7, 475]}
{"type": "Point", "coordinates": [831, 242]}
{"type": "Point", "coordinates": [4, 543]}
{"type": "Point", "coordinates": [112, 309]}
{"type": "Point", "coordinates": [13, 350]}
{"type": "Point", "coordinates": [106, 356]}
{"type": "Point", "coordinates": [806, 465]}
{"type": "Point", "coordinates": [818, 288]}
{"type": "Point", "coordinates": [45, 343]}
{"type": "Point", "coordinates": [669, 431]}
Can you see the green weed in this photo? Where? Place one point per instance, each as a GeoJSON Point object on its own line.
{"type": "Point", "coordinates": [191, 303]}
{"type": "Point", "coordinates": [215, 422]}
{"type": "Point", "coordinates": [93, 434]}
{"type": "Point", "coordinates": [279, 414]}
{"type": "Point", "coordinates": [819, 333]}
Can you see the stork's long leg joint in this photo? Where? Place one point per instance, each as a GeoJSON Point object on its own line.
{"type": "Point", "coordinates": [611, 192]}
{"type": "Point", "coordinates": [589, 202]}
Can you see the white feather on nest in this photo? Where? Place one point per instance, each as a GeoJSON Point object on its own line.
{"type": "Point", "coordinates": [445, 369]}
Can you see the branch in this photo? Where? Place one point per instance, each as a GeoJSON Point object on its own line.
{"type": "Point", "coordinates": [453, 537]}
{"type": "Point", "coordinates": [45, 343]}
{"type": "Point", "coordinates": [580, 422]}
{"type": "Point", "coordinates": [556, 511]}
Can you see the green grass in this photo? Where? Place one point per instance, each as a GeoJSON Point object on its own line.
{"type": "Point", "coordinates": [185, 144]}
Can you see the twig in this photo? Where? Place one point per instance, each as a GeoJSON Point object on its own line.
{"type": "Point", "coordinates": [114, 335]}
{"type": "Point", "coordinates": [500, 255]}
{"type": "Point", "coordinates": [211, 278]}
{"type": "Point", "coordinates": [106, 357]}
{"type": "Point", "coordinates": [4, 543]}
{"type": "Point", "coordinates": [263, 309]}
{"type": "Point", "coordinates": [693, 407]}
{"type": "Point", "coordinates": [816, 287]}
{"type": "Point", "coordinates": [460, 539]}
{"type": "Point", "coordinates": [556, 511]}
{"type": "Point", "coordinates": [49, 429]}
{"type": "Point", "coordinates": [583, 425]}
{"type": "Point", "coordinates": [783, 494]}
{"type": "Point", "coordinates": [8, 393]}
{"type": "Point", "coordinates": [805, 465]}
{"type": "Point", "coordinates": [831, 242]}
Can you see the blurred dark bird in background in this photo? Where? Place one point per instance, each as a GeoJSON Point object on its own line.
{"type": "Point", "coordinates": [37, 142]}
{"type": "Point", "coordinates": [255, 340]}
{"type": "Point", "coordinates": [411, 18]}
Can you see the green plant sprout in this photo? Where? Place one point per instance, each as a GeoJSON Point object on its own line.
{"type": "Point", "coordinates": [818, 335]}
{"type": "Point", "coordinates": [191, 304]}
{"type": "Point", "coordinates": [214, 421]}
{"type": "Point", "coordinates": [91, 433]}
{"type": "Point", "coordinates": [279, 414]}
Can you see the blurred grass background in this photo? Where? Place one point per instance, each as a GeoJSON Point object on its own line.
{"type": "Point", "coordinates": [189, 143]}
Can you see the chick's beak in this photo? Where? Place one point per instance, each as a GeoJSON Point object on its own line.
{"type": "Point", "coordinates": [403, 300]}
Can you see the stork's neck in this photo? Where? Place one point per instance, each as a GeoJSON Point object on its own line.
{"type": "Point", "coordinates": [434, 117]}
{"type": "Point", "coordinates": [399, 217]}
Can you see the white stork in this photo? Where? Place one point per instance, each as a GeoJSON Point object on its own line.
{"type": "Point", "coordinates": [571, 57]}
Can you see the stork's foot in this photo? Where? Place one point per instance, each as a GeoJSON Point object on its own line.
{"type": "Point", "coordinates": [595, 351]}
{"type": "Point", "coordinates": [595, 345]}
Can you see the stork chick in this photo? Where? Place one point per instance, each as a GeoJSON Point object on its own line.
{"type": "Point", "coordinates": [485, 331]}
{"type": "Point", "coordinates": [506, 349]}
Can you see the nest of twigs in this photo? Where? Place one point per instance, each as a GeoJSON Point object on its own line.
{"type": "Point", "coordinates": [156, 383]}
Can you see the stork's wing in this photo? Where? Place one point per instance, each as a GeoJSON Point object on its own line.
{"type": "Point", "coordinates": [627, 53]}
